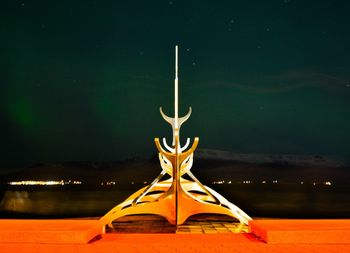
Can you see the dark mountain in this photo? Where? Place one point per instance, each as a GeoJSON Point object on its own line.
{"type": "Point", "coordinates": [209, 166]}
{"type": "Point", "coordinates": [123, 172]}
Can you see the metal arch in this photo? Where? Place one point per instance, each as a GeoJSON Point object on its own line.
{"type": "Point", "coordinates": [172, 121]}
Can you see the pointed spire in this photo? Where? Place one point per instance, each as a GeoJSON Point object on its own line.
{"type": "Point", "coordinates": [176, 108]}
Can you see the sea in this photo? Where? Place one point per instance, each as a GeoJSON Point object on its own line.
{"type": "Point", "coordinates": [257, 200]}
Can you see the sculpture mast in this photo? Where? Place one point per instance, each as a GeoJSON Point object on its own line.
{"type": "Point", "coordinates": [176, 89]}
{"type": "Point", "coordinates": [176, 172]}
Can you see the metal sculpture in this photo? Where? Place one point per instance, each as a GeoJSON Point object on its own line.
{"type": "Point", "coordinates": [175, 198]}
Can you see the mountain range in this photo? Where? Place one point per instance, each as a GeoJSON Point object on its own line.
{"type": "Point", "coordinates": [209, 165]}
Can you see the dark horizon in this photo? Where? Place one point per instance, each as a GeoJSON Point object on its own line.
{"type": "Point", "coordinates": [83, 81]}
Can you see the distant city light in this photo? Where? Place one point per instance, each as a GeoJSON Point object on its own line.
{"type": "Point", "coordinates": [274, 181]}
{"type": "Point", "coordinates": [111, 183]}
{"type": "Point", "coordinates": [218, 182]}
{"type": "Point", "coordinates": [35, 182]}
{"type": "Point", "coordinates": [108, 183]}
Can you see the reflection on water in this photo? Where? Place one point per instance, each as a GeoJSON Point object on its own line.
{"type": "Point", "coordinates": [65, 202]}
{"type": "Point", "coordinates": [295, 201]}
{"type": "Point", "coordinates": [16, 201]}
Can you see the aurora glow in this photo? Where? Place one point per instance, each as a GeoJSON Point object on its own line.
{"type": "Point", "coordinates": [83, 80]}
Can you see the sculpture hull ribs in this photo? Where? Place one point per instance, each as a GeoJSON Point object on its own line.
{"type": "Point", "coordinates": [176, 198]}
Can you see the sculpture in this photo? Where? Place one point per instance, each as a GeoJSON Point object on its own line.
{"type": "Point", "coordinates": [175, 198]}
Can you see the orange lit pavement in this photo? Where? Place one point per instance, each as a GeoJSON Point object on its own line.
{"type": "Point", "coordinates": [331, 231]}
{"type": "Point", "coordinates": [47, 231]}
{"type": "Point", "coordinates": [244, 243]}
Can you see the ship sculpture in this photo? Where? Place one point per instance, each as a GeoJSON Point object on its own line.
{"type": "Point", "coordinates": [177, 197]}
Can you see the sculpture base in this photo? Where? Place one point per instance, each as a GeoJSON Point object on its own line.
{"type": "Point", "coordinates": [197, 224]}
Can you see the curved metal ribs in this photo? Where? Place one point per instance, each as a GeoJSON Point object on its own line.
{"type": "Point", "coordinates": [161, 195]}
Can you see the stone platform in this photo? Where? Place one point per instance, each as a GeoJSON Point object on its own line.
{"type": "Point", "coordinates": [316, 231]}
{"type": "Point", "coordinates": [49, 231]}
{"type": "Point", "coordinates": [152, 234]}
{"type": "Point", "coordinates": [174, 243]}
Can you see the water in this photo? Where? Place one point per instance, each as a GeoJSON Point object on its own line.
{"type": "Point", "coordinates": [290, 200]}
{"type": "Point", "coordinates": [258, 200]}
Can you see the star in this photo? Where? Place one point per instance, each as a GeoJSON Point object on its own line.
{"type": "Point", "coordinates": [230, 25]}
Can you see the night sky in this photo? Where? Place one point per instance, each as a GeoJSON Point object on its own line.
{"type": "Point", "coordinates": [83, 80]}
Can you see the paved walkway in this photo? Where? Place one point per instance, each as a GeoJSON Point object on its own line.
{"type": "Point", "coordinates": [169, 243]}
{"type": "Point", "coordinates": [152, 235]}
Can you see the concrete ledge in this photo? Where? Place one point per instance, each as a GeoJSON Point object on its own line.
{"type": "Point", "coordinates": [49, 231]}
{"type": "Point", "coordinates": [302, 231]}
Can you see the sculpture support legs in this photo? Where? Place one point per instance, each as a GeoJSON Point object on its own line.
{"type": "Point", "coordinates": [175, 200]}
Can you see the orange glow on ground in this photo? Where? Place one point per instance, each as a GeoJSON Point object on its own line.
{"type": "Point", "coordinates": [115, 242]}
{"type": "Point", "coordinates": [49, 231]}
{"type": "Point", "coordinates": [245, 243]}
{"type": "Point", "coordinates": [330, 231]}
